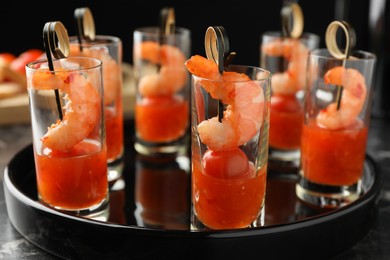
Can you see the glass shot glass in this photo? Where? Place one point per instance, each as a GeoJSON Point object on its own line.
{"type": "Point", "coordinates": [109, 50]}
{"type": "Point", "coordinates": [335, 129]}
{"type": "Point", "coordinates": [230, 121]}
{"type": "Point", "coordinates": [286, 58]}
{"type": "Point", "coordinates": [162, 117]}
{"type": "Point", "coordinates": [70, 152]}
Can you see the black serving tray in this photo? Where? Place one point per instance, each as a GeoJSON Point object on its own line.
{"type": "Point", "coordinates": [292, 229]}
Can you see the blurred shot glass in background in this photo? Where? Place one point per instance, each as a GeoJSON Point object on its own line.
{"type": "Point", "coordinates": [285, 55]}
{"type": "Point", "coordinates": [108, 49]}
{"type": "Point", "coordinates": [162, 117]}
{"type": "Point", "coordinates": [335, 130]}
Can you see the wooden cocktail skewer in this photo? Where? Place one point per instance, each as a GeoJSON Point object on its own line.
{"type": "Point", "coordinates": [292, 20]}
{"type": "Point", "coordinates": [331, 43]}
{"type": "Point", "coordinates": [217, 49]}
{"type": "Point", "coordinates": [56, 43]}
{"type": "Point", "coordinates": [85, 25]}
{"type": "Point", "coordinates": [167, 23]}
{"type": "Point", "coordinates": [292, 25]}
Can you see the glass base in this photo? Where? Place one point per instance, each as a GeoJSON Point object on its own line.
{"type": "Point", "coordinates": [284, 161]}
{"type": "Point", "coordinates": [292, 156]}
{"type": "Point", "coordinates": [327, 196]}
{"type": "Point", "coordinates": [197, 225]}
{"type": "Point", "coordinates": [178, 147]}
{"type": "Point", "coordinates": [115, 170]}
{"type": "Point", "coordinates": [99, 212]}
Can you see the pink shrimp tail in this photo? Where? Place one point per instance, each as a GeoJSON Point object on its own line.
{"type": "Point", "coordinates": [352, 99]}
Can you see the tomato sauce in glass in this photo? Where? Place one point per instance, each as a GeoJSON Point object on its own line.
{"type": "Point", "coordinates": [72, 180]}
{"type": "Point", "coordinates": [223, 199]}
{"type": "Point", "coordinates": [114, 131]}
{"type": "Point", "coordinates": [161, 118]}
{"type": "Point", "coordinates": [286, 119]}
{"type": "Point", "coordinates": [333, 157]}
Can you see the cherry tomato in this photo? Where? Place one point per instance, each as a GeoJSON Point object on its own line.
{"type": "Point", "coordinates": [7, 57]}
{"type": "Point", "coordinates": [285, 103]}
{"type": "Point", "coordinates": [226, 164]}
{"type": "Point", "coordinates": [19, 64]}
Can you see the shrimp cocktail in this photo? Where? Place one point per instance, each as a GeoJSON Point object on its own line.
{"type": "Point", "coordinates": [286, 57]}
{"type": "Point", "coordinates": [230, 119]}
{"type": "Point", "coordinates": [162, 93]}
{"type": "Point", "coordinates": [335, 130]}
{"type": "Point", "coordinates": [66, 105]}
{"type": "Point", "coordinates": [108, 49]}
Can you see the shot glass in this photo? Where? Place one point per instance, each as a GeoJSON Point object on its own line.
{"type": "Point", "coordinates": [229, 122]}
{"type": "Point", "coordinates": [108, 49]}
{"type": "Point", "coordinates": [336, 121]}
{"type": "Point", "coordinates": [162, 191]}
{"type": "Point", "coordinates": [162, 117]}
{"type": "Point", "coordinates": [70, 152]}
{"type": "Point", "coordinates": [286, 58]}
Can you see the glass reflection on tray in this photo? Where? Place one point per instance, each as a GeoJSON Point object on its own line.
{"type": "Point", "coordinates": [282, 205]}
{"type": "Point", "coordinates": [117, 202]}
{"type": "Point", "coordinates": [162, 192]}
{"type": "Point", "coordinates": [157, 195]}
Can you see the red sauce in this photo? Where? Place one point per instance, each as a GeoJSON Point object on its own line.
{"type": "Point", "coordinates": [161, 118]}
{"type": "Point", "coordinates": [333, 157]}
{"type": "Point", "coordinates": [73, 180]}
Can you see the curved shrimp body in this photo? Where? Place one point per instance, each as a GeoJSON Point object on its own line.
{"type": "Point", "coordinates": [81, 110]}
{"type": "Point", "coordinates": [243, 97]}
{"type": "Point", "coordinates": [296, 53]}
{"type": "Point", "coordinates": [352, 99]}
{"type": "Point", "coordinates": [111, 70]}
{"type": "Point", "coordinates": [171, 76]}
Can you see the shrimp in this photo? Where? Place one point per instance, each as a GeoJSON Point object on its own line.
{"type": "Point", "coordinates": [81, 110]}
{"type": "Point", "coordinates": [296, 53]}
{"type": "Point", "coordinates": [245, 105]}
{"type": "Point", "coordinates": [111, 70]}
{"type": "Point", "coordinates": [352, 99]}
{"type": "Point", "coordinates": [172, 74]}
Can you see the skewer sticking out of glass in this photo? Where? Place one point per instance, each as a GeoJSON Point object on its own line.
{"type": "Point", "coordinates": [217, 49]}
{"type": "Point", "coordinates": [292, 20]}
{"type": "Point", "coordinates": [167, 23]}
{"type": "Point", "coordinates": [85, 25]}
{"type": "Point", "coordinates": [333, 48]}
{"type": "Point", "coordinates": [292, 25]}
{"type": "Point", "coordinates": [56, 43]}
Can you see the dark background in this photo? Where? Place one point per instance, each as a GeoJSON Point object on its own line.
{"type": "Point", "coordinates": [22, 22]}
{"type": "Point", "coordinates": [244, 21]}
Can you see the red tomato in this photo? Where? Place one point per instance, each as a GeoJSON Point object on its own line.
{"type": "Point", "coordinates": [7, 57]}
{"type": "Point", "coordinates": [285, 103]}
{"type": "Point", "coordinates": [226, 164]}
{"type": "Point", "coordinates": [19, 64]}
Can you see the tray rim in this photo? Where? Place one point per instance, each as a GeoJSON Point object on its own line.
{"type": "Point", "coordinates": [370, 194]}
